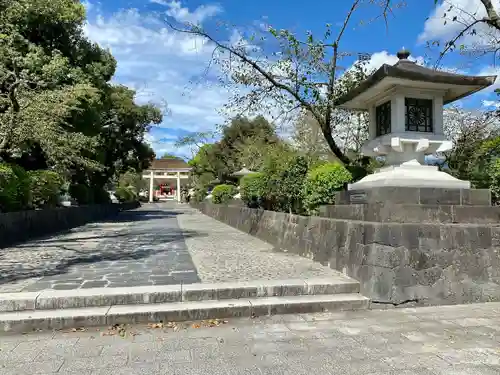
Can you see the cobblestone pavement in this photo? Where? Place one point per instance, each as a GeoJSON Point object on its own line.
{"type": "Point", "coordinates": [456, 340]}
{"type": "Point", "coordinates": [140, 247]}
{"type": "Point", "coordinates": [227, 254]}
{"type": "Point", "coordinates": [158, 244]}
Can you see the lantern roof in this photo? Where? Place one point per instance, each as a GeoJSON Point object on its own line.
{"type": "Point", "coordinates": [242, 172]}
{"type": "Point", "coordinates": [409, 74]}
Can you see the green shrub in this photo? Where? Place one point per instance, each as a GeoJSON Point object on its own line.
{"type": "Point", "coordinates": [252, 189]}
{"type": "Point", "coordinates": [223, 193]}
{"type": "Point", "coordinates": [494, 175]}
{"type": "Point", "coordinates": [199, 194]}
{"type": "Point", "coordinates": [100, 196]}
{"type": "Point", "coordinates": [15, 192]}
{"type": "Point", "coordinates": [285, 174]}
{"type": "Point", "coordinates": [81, 193]}
{"type": "Point", "coordinates": [46, 188]}
{"type": "Point", "coordinates": [321, 184]}
{"type": "Point", "coordinates": [126, 194]}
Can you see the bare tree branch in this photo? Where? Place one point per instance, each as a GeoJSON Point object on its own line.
{"type": "Point", "coordinates": [295, 76]}
{"type": "Point", "coordinates": [492, 19]}
{"type": "Point", "coordinates": [451, 43]}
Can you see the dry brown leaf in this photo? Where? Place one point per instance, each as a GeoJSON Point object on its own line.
{"type": "Point", "coordinates": [171, 325]}
{"type": "Point", "coordinates": [119, 329]}
{"type": "Point", "coordinates": [78, 329]}
{"type": "Point", "coordinates": [155, 325]}
{"type": "Point", "coordinates": [195, 325]}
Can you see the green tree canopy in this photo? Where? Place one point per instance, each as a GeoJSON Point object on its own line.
{"type": "Point", "coordinates": [243, 142]}
{"type": "Point", "coordinates": [58, 108]}
{"type": "Point", "coordinates": [168, 155]}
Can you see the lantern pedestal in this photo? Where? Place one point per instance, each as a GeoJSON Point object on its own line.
{"type": "Point", "coordinates": [410, 175]}
{"type": "Point", "coordinates": [404, 158]}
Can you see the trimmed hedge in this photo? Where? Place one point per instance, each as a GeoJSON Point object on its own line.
{"type": "Point", "coordinates": [126, 194]}
{"type": "Point", "coordinates": [223, 193]}
{"type": "Point", "coordinates": [46, 188]}
{"type": "Point", "coordinates": [321, 184]}
{"type": "Point", "coordinates": [252, 189]}
{"type": "Point", "coordinates": [15, 190]}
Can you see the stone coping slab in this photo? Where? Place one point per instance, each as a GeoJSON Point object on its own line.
{"type": "Point", "coordinates": [413, 213]}
{"type": "Point", "coordinates": [98, 297]}
{"type": "Point", "coordinates": [415, 195]}
{"type": "Point", "coordinates": [26, 321]}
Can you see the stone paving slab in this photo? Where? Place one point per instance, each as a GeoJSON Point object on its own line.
{"type": "Point", "coordinates": [157, 244]}
{"type": "Point", "coordinates": [137, 248]}
{"type": "Point", "coordinates": [394, 342]}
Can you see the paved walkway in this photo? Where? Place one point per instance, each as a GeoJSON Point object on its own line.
{"type": "Point", "coordinates": [453, 340]}
{"type": "Point", "coordinates": [158, 244]}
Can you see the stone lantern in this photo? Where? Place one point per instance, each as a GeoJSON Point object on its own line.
{"type": "Point", "coordinates": [240, 174]}
{"type": "Point", "coordinates": [405, 105]}
{"type": "Point", "coordinates": [243, 172]}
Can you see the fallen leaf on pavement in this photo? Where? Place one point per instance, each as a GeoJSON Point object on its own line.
{"type": "Point", "coordinates": [115, 329]}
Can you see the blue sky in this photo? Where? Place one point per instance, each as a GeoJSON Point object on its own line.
{"type": "Point", "coordinates": [162, 65]}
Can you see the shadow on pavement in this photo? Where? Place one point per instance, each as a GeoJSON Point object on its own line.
{"type": "Point", "coordinates": [141, 215]}
{"type": "Point", "coordinates": [137, 246]}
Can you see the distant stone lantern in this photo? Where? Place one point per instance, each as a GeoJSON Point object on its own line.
{"type": "Point", "coordinates": [405, 105]}
{"type": "Point", "coordinates": [242, 172]}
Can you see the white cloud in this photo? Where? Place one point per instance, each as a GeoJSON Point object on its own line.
{"type": "Point", "coordinates": [160, 64]}
{"type": "Point", "coordinates": [491, 104]}
{"type": "Point", "coordinates": [465, 11]}
{"type": "Point", "coordinates": [88, 6]}
{"type": "Point", "coordinates": [184, 15]}
{"type": "Point", "coordinates": [383, 57]}
{"type": "Point", "coordinates": [490, 71]}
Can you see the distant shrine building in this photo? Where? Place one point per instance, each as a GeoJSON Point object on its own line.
{"type": "Point", "coordinates": [166, 178]}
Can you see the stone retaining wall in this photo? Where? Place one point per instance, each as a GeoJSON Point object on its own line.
{"type": "Point", "coordinates": [394, 262]}
{"type": "Point", "coordinates": [20, 226]}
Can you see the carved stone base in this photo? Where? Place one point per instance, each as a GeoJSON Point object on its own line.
{"type": "Point", "coordinates": [410, 175]}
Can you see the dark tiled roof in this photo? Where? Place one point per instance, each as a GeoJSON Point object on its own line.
{"type": "Point", "coordinates": [406, 69]}
{"type": "Point", "coordinates": [169, 164]}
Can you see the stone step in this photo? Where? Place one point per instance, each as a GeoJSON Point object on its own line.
{"type": "Point", "coordinates": [105, 297]}
{"type": "Point", "coordinates": [26, 321]}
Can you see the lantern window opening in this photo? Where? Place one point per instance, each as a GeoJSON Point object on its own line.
{"type": "Point", "coordinates": [418, 115]}
{"type": "Point", "coordinates": [383, 118]}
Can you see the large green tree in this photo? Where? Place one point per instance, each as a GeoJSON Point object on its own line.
{"type": "Point", "coordinates": [58, 108]}
{"type": "Point", "coordinates": [243, 142]}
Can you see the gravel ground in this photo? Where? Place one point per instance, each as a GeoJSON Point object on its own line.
{"type": "Point", "coordinates": [226, 254]}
